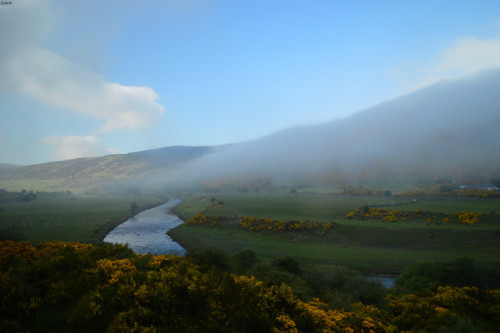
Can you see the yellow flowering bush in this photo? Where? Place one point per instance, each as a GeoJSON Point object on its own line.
{"type": "Point", "coordinates": [463, 217]}
{"type": "Point", "coordinates": [200, 219]}
{"type": "Point", "coordinates": [255, 224]}
{"type": "Point", "coordinates": [383, 214]}
{"type": "Point", "coordinates": [397, 215]}
{"type": "Point", "coordinates": [11, 251]}
{"type": "Point", "coordinates": [115, 269]}
{"type": "Point", "coordinates": [81, 287]}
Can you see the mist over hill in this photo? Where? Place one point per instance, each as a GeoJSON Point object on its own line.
{"type": "Point", "coordinates": [450, 129]}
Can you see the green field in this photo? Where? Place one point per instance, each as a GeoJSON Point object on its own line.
{"type": "Point", "coordinates": [371, 246]}
{"type": "Point", "coordinates": [66, 218]}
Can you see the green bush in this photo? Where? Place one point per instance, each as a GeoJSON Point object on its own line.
{"type": "Point", "coordinates": [211, 258]}
{"type": "Point", "coordinates": [422, 275]}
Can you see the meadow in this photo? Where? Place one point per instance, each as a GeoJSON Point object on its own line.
{"type": "Point", "coordinates": [69, 218]}
{"type": "Point", "coordinates": [370, 246]}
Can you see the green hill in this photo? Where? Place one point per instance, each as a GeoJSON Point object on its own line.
{"type": "Point", "coordinates": [112, 172]}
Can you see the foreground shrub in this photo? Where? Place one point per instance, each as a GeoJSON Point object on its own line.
{"type": "Point", "coordinates": [73, 287]}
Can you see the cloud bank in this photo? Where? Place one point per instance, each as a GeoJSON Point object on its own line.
{"type": "Point", "coordinates": [56, 81]}
{"type": "Point", "coordinates": [29, 68]}
{"type": "Point", "coordinates": [469, 54]}
{"type": "Point", "coordinates": [465, 55]}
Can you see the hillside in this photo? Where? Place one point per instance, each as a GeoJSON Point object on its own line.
{"type": "Point", "coordinates": [449, 129]}
{"type": "Point", "coordinates": [97, 173]}
{"type": "Point", "coordinates": [7, 165]}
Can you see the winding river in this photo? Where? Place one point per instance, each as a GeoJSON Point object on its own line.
{"type": "Point", "coordinates": [146, 232]}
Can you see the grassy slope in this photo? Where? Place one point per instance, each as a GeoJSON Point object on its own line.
{"type": "Point", "coordinates": [83, 174]}
{"type": "Point", "coordinates": [370, 246]}
{"type": "Point", "coordinates": [70, 220]}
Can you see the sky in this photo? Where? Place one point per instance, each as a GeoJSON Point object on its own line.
{"type": "Point", "coordinates": [90, 78]}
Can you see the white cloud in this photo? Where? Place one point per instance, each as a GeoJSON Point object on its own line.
{"type": "Point", "coordinates": [69, 147]}
{"type": "Point", "coordinates": [28, 68]}
{"type": "Point", "coordinates": [466, 55]}
{"type": "Point", "coordinates": [56, 81]}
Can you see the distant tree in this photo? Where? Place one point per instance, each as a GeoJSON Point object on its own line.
{"type": "Point", "coordinates": [134, 208]}
{"type": "Point", "coordinates": [365, 209]}
{"type": "Point", "coordinates": [245, 260]}
{"type": "Point", "coordinates": [443, 188]}
{"type": "Point", "coordinates": [289, 264]}
{"type": "Point", "coordinates": [421, 276]}
{"type": "Point", "coordinates": [210, 257]}
{"type": "Point", "coordinates": [496, 182]}
{"type": "Point", "coordinates": [27, 196]}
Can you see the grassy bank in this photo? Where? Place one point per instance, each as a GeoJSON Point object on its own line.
{"type": "Point", "coordinates": [80, 219]}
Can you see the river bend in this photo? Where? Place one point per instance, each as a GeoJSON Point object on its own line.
{"type": "Point", "coordinates": [146, 232]}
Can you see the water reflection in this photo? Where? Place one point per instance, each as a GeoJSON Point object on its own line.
{"type": "Point", "coordinates": [146, 231]}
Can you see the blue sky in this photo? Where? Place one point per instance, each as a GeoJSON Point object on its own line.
{"type": "Point", "coordinates": [88, 78]}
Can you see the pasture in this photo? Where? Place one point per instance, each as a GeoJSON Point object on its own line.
{"type": "Point", "coordinates": [371, 246]}
{"type": "Point", "coordinates": [81, 219]}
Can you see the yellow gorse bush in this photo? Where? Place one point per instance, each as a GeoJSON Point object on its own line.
{"type": "Point", "coordinates": [200, 219]}
{"type": "Point", "coordinates": [398, 215]}
{"type": "Point", "coordinates": [464, 217]}
{"type": "Point", "coordinates": [105, 287]}
{"type": "Point", "coordinates": [11, 251]}
{"type": "Point", "coordinates": [115, 269]}
{"type": "Point", "coordinates": [384, 214]}
{"type": "Point", "coordinates": [255, 224]}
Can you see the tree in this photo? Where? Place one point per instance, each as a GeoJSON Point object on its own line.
{"type": "Point", "coordinates": [134, 208]}
{"type": "Point", "coordinates": [210, 257]}
{"type": "Point", "coordinates": [289, 264]}
{"type": "Point", "coordinates": [245, 260]}
{"type": "Point", "coordinates": [422, 275]}
{"type": "Point", "coordinates": [496, 182]}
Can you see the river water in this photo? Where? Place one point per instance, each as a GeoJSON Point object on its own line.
{"type": "Point", "coordinates": [146, 232]}
{"type": "Point", "coordinates": [386, 280]}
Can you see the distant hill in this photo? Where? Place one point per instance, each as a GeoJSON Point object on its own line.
{"type": "Point", "coordinates": [7, 165]}
{"type": "Point", "coordinates": [120, 171]}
